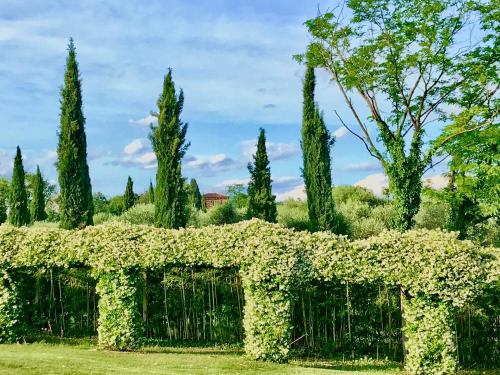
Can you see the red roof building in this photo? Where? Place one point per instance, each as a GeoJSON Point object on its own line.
{"type": "Point", "coordinates": [211, 199]}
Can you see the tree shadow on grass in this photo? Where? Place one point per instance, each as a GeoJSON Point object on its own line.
{"type": "Point", "coordinates": [357, 365]}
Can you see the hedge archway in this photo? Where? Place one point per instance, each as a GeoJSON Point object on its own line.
{"type": "Point", "coordinates": [436, 272]}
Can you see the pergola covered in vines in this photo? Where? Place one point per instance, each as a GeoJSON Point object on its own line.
{"type": "Point", "coordinates": [436, 274]}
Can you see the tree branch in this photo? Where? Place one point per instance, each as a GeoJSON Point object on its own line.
{"type": "Point", "coordinates": [360, 137]}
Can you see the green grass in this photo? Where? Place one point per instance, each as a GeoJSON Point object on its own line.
{"type": "Point", "coordinates": [80, 357]}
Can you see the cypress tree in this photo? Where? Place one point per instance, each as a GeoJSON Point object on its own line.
{"type": "Point", "coordinates": [37, 206]}
{"type": "Point", "coordinates": [151, 193]}
{"type": "Point", "coordinates": [129, 197]}
{"type": "Point", "coordinates": [261, 201]}
{"type": "Point", "coordinates": [18, 198]}
{"type": "Point", "coordinates": [316, 144]}
{"type": "Point", "coordinates": [75, 198]}
{"type": "Point", "coordinates": [195, 195]}
{"type": "Point", "coordinates": [169, 144]}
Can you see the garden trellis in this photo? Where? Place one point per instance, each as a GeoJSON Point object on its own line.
{"type": "Point", "coordinates": [436, 273]}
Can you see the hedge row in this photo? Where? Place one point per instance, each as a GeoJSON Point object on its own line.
{"type": "Point", "coordinates": [436, 274]}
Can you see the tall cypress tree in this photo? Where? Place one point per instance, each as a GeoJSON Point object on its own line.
{"type": "Point", "coordinates": [195, 195]}
{"type": "Point", "coordinates": [316, 144]}
{"type": "Point", "coordinates": [151, 193]}
{"type": "Point", "coordinates": [169, 144]}
{"type": "Point", "coordinates": [75, 198]}
{"type": "Point", "coordinates": [37, 206]}
{"type": "Point", "coordinates": [261, 201]}
{"type": "Point", "coordinates": [129, 197]}
{"type": "Point", "coordinates": [18, 198]}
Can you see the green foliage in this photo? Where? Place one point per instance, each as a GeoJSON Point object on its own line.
{"type": "Point", "coordinates": [195, 199]}
{"type": "Point", "coordinates": [411, 56]}
{"type": "Point", "coordinates": [119, 320]}
{"type": "Point", "coordinates": [48, 189]}
{"type": "Point", "coordinates": [237, 194]}
{"type": "Point", "coordinates": [261, 201]}
{"type": "Point", "coordinates": [129, 196]}
{"type": "Point", "coordinates": [75, 198]}
{"type": "Point", "coordinates": [100, 202]}
{"type": "Point", "coordinates": [103, 217]}
{"type": "Point", "coordinates": [168, 139]}
{"type": "Point", "coordinates": [4, 196]}
{"type": "Point", "coordinates": [293, 214]}
{"type": "Point", "coordinates": [471, 137]}
{"type": "Point", "coordinates": [316, 144]}
{"type": "Point", "coordinates": [116, 205]}
{"type": "Point", "coordinates": [434, 268]}
{"type": "Point", "coordinates": [220, 214]}
{"type": "Point", "coordinates": [364, 220]}
{"type": "Point", "coordinates": [18, 198]}
{"type": "Point", "coordinates": [344, 193]}
{"type": "Point", "coordinates": [10, 308]}
{"type": "Point", "coordinates": [434, 212]}
{"type": "Point", "coordinates": [430, 339]}
{"type": "Point", "coordinates": [151, 192]}
{"type": "Point", "coordinates": [37, 205]}
{"type": "Point", "coordinates": [139, 214]}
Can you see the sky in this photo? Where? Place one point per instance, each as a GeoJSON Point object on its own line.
{"type": "Point", "coordinates": [232, 58]}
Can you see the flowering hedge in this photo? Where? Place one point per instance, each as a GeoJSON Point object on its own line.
{"type": "Point", "coordinates": [435, 271]}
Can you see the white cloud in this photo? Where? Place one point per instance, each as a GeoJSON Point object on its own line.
{"type": "Point", "coordinates": [144, 121]}
{"type": "Point", "coordinates": [298, 192]}
{"type": "Point", "coordinates": [234, 181]}
{"type": "Point", "coordinates": [340, 132]}
{"type": "Point", "coordinates": [378, 181]}
{"type": "Point", "coordinates": [436, 182]}
{"type": "Point", "coordinates": [362, 167]}
{"type": "Point", "coordinates": [135, 146]}
{"type": "Point", "coordinates": [374, 182]}
{"type": "Point", "coordinates": [275, 151]}
{"type": "Point", "coordinates": [211, 165]}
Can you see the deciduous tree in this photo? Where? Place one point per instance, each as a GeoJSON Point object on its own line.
{"type": "Point", "coordinates": [404, 60]}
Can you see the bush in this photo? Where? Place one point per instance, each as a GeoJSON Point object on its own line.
{"type": "Point", "coordinates": [364, 220]}
{"type": "Point", "coordinates": [343, 193]}
{"type": "Point", "coordinates": [293, 214]}
{"type": "Point", "coordinates": [103, 217]}
{"type": "Point", "coordinates": [116, 205]}
{"type": "Point", "coordinates": [220, 214]}
{"type": "Point", "coordinates": [139, 214]}
{"type": "Point", "coordinates": [434, 213]}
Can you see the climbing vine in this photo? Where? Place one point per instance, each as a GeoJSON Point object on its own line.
{"type": "Point", "coordinates": [436, 272]}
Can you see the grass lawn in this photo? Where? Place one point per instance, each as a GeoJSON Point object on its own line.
{"type": "Point", "coordinates": [43, 358]}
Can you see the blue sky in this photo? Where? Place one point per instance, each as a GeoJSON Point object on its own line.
{"type": "Point", "coordinates": [233, 59]}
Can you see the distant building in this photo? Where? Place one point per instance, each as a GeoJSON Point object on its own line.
{"type": "Point", "coordinates": [211, 199]}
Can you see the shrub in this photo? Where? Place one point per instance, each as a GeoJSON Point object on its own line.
{"type": "Point", "coordinates": [293, 214]}
{"type": "Point", "coordinates": [434, 213]}
{"type": "Point", "coordinates": [220, 214]}
{"type": "Point", "coordinates": [139, 214]}
{"type": "Point", "coordinates": [364, 220]}
{"type": "Point", "coordinates": [343, 193]}
{"type": "Point", "coordinates": [103, 217]}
